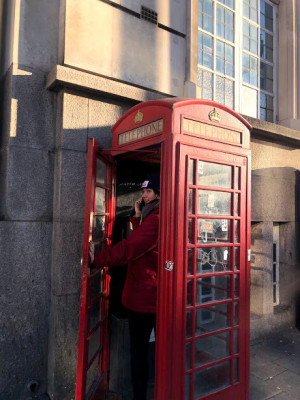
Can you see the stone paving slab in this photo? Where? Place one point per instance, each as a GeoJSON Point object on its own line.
{"type": "Point", "coordinates": [291, 363]}
{"type": "Point", "coordinates": [262, 390]}
{"type": "Point", "coordinates": [283, 396]}
{"type": "Point", "coordinates": [289, 382]}
{"type": "Point", "coordinates": [275, 367]}
{"type": "Point", "coordinates": [265, 370]}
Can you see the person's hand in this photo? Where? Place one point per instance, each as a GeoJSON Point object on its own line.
{"type": "Point", "coordinates": [92, 251]}
{"type": "Point", "coordinates": [137, 209]}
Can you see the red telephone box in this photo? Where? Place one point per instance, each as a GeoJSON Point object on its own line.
{"type": "Point", "coordinates": [202, 337]}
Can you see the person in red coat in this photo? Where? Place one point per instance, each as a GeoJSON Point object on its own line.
{"type": "Point", "coordinates": [140, 252]}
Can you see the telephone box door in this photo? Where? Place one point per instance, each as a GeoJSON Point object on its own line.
{"type": "Point", "coordinates": [209, 304]}
{"type": "Point", "coordinates": [93, 340]}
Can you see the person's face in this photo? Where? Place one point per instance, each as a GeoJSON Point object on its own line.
{"type": "Point", "coordinates": [148, 195]}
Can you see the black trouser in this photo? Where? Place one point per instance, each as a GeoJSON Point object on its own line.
{"type": "Point", "coordinates": [140, 327]}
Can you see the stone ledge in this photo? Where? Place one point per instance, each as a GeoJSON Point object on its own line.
{"type": "Point", "coordinates": [276, 133]}
{"type": "Point", "coordinates": [67, 77]}
{"type": "Point", "coordinates": [62, 76]}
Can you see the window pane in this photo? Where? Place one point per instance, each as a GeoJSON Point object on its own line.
{"type": "Point", "coordinates": [236, 370]}
{"type": "Point", "coordinates": [192, 179]}
{"type": "Point", "coordinates": [236, 314]}
{"type": "Point", "coordinates": [209, 380]}
{"type": "Point", "coordinates": [236, 285]}
{"type": "Point", "coordinates": [205, 45]}
{"type": "Point", "coordinates": [100, 200]}
{"type": "Point", "coordinates": [191, 230]}
{"type": "Point", "coordinates": [212, 348]}
{"type": "Point", "coordinates": [187, 394]}
{"type": "Point", "coordinates": [213, 288]}
{"type": "Point", "coordinates": [236, 204]}
{"type": "Point", "coordinates": [214, 175]}
{"type": "Point", "coordinates": [236, 258]}
{"type": "Point", "coordinates": [94, 343]}
{"type": "Point", "coordinates": [211, 202]}
{"type": "Point", "coordinates": [92, 374]}
{"type": "Point", "coordinates": [190, 285]}
{"type": "Point", "coordinates": [213, 230]}
{"type": "Point", "coordinates": [189, 323]}
{"type": "Point", "coordinates": [237, 231]}
{"type": "Point", "coordinates": [236, 341]}
{"type": "Point", "coordinates": [237, 177]}
{"type": "Point", "coordinates": [192, 201]}
{"type": "Point", "coordinates": [188, 364]}
{"type": "Point", "coordinates": [213, 259]}
{"type": "Point", "coordinates": [99, 230]}
{"type": "Point", "coordinates": [209, 319]}
{"type": "Point", "coordinates": [101, 172]}
{"type": "Point", "coordinates": [95, 314]}
{"type": "Point", "coordinates": [190, 261]}
{"type": "Point", "coordinates": [205, 16]}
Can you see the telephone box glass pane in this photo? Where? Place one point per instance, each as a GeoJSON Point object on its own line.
{"type": "Point", "coordinates": [99, 231]}
{"type": "Point", "coordinates": [214, 203]}
{"type": "Point", "coordinates": [95, 284]}
{"type": "Point", "coordinates": [213, 318]}
{"type": "Point", "coordinates": [192, 180]}
{"type": "Point", "coordinates": [236, 204]}
{"type": "Point", "coordinates": [189, 297]}
{"type": "Point", "coordinates": [236, 285]}
{"type": "Point", "coordinates": [213, 259]}
{"type": "Point", "coordinates": [214, 175]}
{"type": "Point", "coordinates": [237, 231]}
{"type": "Point", "coordinates": [190, 262]}
{"type": "Point", "coordinates": [191, 230]}
{"type": "Point", "coordinates": [235, 370]}
{"type": "Point", "coordinates": [209, 380]}
{"type": "Point", "coordinates": [189, 323]}
{"type": "Point", "coordinates": [236, 258]}
{"type": "Point", "coordinates": [237, 178]}
{"type": "Point", "coordinates": [236, 314]}
{"type": "Point", "coordinates": [236, 341]}
{"type": "Point", "coordinates": [213, 230]}
{"type": "Point", "coordinates": [187, 387]}
{"type": "Point", "coordinates": [95, 314]}
{"type": "Point", "coordinates": [101, 172]}
{"type": "Point", "coordinates": [100, 200]}
{"type": "Point", "coordinates": [192, 201]}
{"type": "Point", "coordinates": [213, 288]}
{"type": "Point", "coordinates": [212, 348]}
{"type": "Point", "coordinates": [92, 374]}
{"type": "Point", "coordinates": [188, 349]}
{"type": "Point", "coordinates": [94, 343]}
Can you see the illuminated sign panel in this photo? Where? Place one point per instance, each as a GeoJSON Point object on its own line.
{"type": "Point", "coordinates": [141, 132]}
{"type": "Point", "coordinates": [211, 131]}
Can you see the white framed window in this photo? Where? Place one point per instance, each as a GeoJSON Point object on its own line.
{"type": "Point", "coordinates": [236, 55]}
{"type": "Point", "coordinates": [275, 270]}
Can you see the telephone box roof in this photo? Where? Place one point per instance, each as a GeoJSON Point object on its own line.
{"type": "Point", "coordinates": [177, 102]}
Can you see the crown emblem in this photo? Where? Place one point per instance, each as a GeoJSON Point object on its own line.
{"type": "Point", "coordinates": [214, 115]}
{"type": "Point", "coordinates": [139, 117]}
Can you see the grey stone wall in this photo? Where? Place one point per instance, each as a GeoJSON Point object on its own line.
{"type": "Point", "coordinates": [27, 119]}
{"type": "Point", "coordinates": [274, 199]}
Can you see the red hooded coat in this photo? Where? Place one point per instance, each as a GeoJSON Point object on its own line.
{"type": "Point", "coordinates": [139, 251]}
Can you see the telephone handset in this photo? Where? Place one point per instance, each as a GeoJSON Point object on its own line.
{"type": "Point", "coordinates": [141, 205]}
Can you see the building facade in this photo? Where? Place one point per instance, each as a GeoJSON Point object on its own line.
{"type": "Point", "coordinates": [69, 69]}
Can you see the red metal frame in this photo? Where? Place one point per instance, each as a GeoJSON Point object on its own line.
{"type": "Point", "coordinates": [86, 361]}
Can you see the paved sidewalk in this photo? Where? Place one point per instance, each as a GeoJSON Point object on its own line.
{"type": "Point", "coordinates": [275, 366]}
